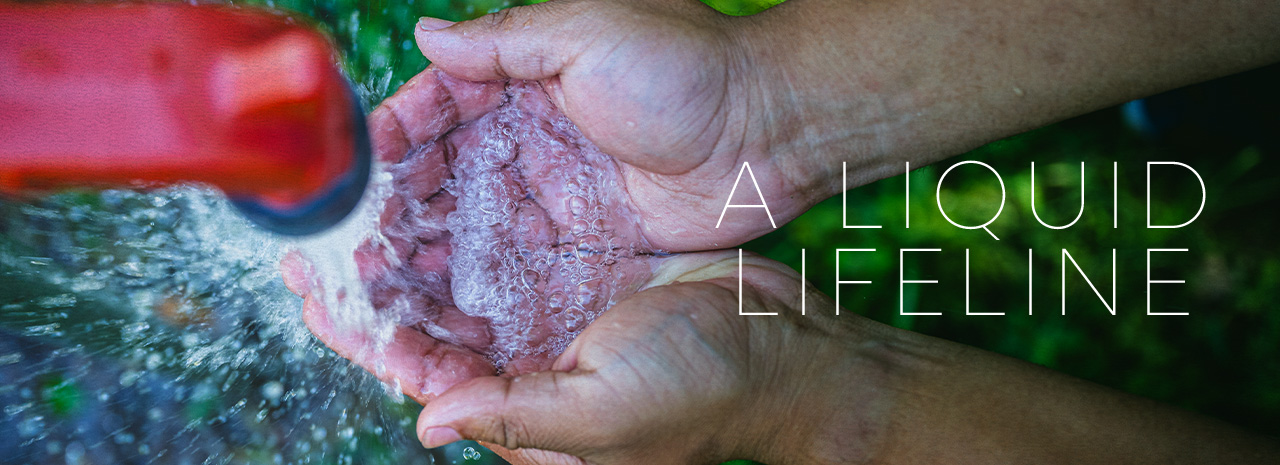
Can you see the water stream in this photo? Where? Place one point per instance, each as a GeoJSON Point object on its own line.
{"type": "Point", "coordinates": [153, 327]}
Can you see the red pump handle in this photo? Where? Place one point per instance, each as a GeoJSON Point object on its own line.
{"type": "Point", "coordinates": [107, 95]}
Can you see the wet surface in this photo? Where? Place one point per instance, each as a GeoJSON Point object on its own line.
{"type": "Point", "coordinates": [504, 231]}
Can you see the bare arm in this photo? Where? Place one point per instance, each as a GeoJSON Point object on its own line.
{"type": "Point", "coordinates": [876, 83]}
{"type": "Point", "coordinates": [675, 375]}
{"type": "Point", "coordinates": [948, 403]}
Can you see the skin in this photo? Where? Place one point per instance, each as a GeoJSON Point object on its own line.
{"type": "Point", "coordinates": [405, 267]}
{"type": "Point", "coordinates": [673, 374]}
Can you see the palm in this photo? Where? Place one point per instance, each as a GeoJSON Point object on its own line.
{"type": "Point", "coordinates": [662, 93]}
{"type": "Point", "coordinates": [663, 375]}
{"type": "Point", "coordinates": [504, 235]}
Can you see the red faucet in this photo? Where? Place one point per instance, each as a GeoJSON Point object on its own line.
{"type": "Point", "coordinates": [141, 94]}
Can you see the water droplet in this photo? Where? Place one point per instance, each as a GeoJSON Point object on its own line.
{"type": "Point", "coordinates": [50, 329]}
{"type": "Point", "coordinates": [31, 426]}
{"type": "Point", "coordinates": [9, 359]}
{"type": "Point", "coordinates": [123, 437]}
{"type": "Point", "coordinates": [154, 361]}
{"type": "Point", "coordinates": [591, 249]}
{"type": "Point", "coordinates": [57, 301]}
{"type": "Point", "coordinates": [531, 278]}
{"type": "Point", "coordinates": [74, 453]}
{"type": "Point", "coordinates": [557, 301]}
{"type": "Point", "coordinates": [272, 391]}
{"type": "Point", "coordinates": [577, 205]}
{"type": "Point", "coordinates": [470, 453]}
{"type": "Point", "coordinates": [575, 319]}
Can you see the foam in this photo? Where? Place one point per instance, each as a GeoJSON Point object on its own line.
{"type": "Point", "coordinates": [529, 238]}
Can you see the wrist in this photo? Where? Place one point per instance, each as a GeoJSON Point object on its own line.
{"type": "Point", "coordinates": [782, 137]}
{"type": "Point", "coordinates": [842, 398]}
{"type": "Point", "coordinates": [865, 85]}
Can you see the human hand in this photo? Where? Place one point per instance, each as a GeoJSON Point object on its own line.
{"type": "Point", "coordinates": [670, 88]}
{"type": "Point", "coordinates": [503, 235]}
{"type": "Point", "coordinates": [673, 374]}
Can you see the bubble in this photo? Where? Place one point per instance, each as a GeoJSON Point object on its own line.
{"type": "Point", "coordinates": [525, 228]}
{"type": "Point", "coordinates": [590, 249]}
{"type": "Point", "coordinates": [470, 454]}
{"type": "Point", "coordinates": [578, 205]}
{"type": "Point", "coordinates": [575, 318]}
{"type": "Point", "coordinates": [557, 301]}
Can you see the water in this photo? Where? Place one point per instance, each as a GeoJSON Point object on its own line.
{"type": "Point", "coordinates": [507, 250]}
{"type": "Point", "coordinates": [153, 327]}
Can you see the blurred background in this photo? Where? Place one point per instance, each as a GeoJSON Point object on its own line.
{"type": "Point", "coordinates": [153, 327]}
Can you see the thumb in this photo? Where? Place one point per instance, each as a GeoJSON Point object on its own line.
{"type": "Point", "coordinates": [526, 42]}
{"type": "Point", "coordinates": [539, 411]}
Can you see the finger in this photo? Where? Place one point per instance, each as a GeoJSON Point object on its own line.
{"type": "Point", "coordinates": [451, 325]}
{"type": "Point", "coordinates": [390, 144]}
{"type": "Point", "coordinates": [533, 456]}
{"type": "Point", "coordinates": [377, 257]}
{"type": "Point", "coordinates": [422, 173]}
{"type": "Point", "coordinates": [538, 411]}
{"type": "Point", "coordinates": [525, 42]}
{"type": "Point", "coordinates": [529, 364]}
{"type": "Point", "coordinates": [422, 366]}
{"type": "Point", "coordinates": [425, 108]}
{"type": "Point", "coordinates": [297, 273]}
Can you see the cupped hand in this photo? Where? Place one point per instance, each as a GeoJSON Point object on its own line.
{"type": "Point", "coordinates": [674, 374]}
{"type": "Point", "coordinates": [504, 234]}
{"type": "Point", "coordinates": [669, 89]}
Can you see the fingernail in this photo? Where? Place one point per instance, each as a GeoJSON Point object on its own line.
{"type": "Point", "coordinates": [428, 23]}
{"type": "Point", "coordinates": [437, 436]}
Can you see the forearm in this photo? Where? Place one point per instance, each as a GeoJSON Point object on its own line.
{"type": "Point", "coordinates": [905, 398]}
{"type": "Point", "coordinates": [876, 83]}
{"type": "Point", "coordinates": [978, 407]}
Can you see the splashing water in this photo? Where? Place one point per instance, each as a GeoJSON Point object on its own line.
{"type": "Point", "coordinates": [153, 327]}
{"type": "Point", "coordinates": [543, 237]}
{"type": "Point", "coordinates": [506, 235]}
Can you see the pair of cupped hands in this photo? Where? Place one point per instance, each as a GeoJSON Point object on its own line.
{"type": "Point", "coordinates": [672, 373]}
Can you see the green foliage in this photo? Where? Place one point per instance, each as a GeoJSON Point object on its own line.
{"type": "Point", "coordinates": [741, 7]}
{"type": "Point", "coordinates": [1218, 360]}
